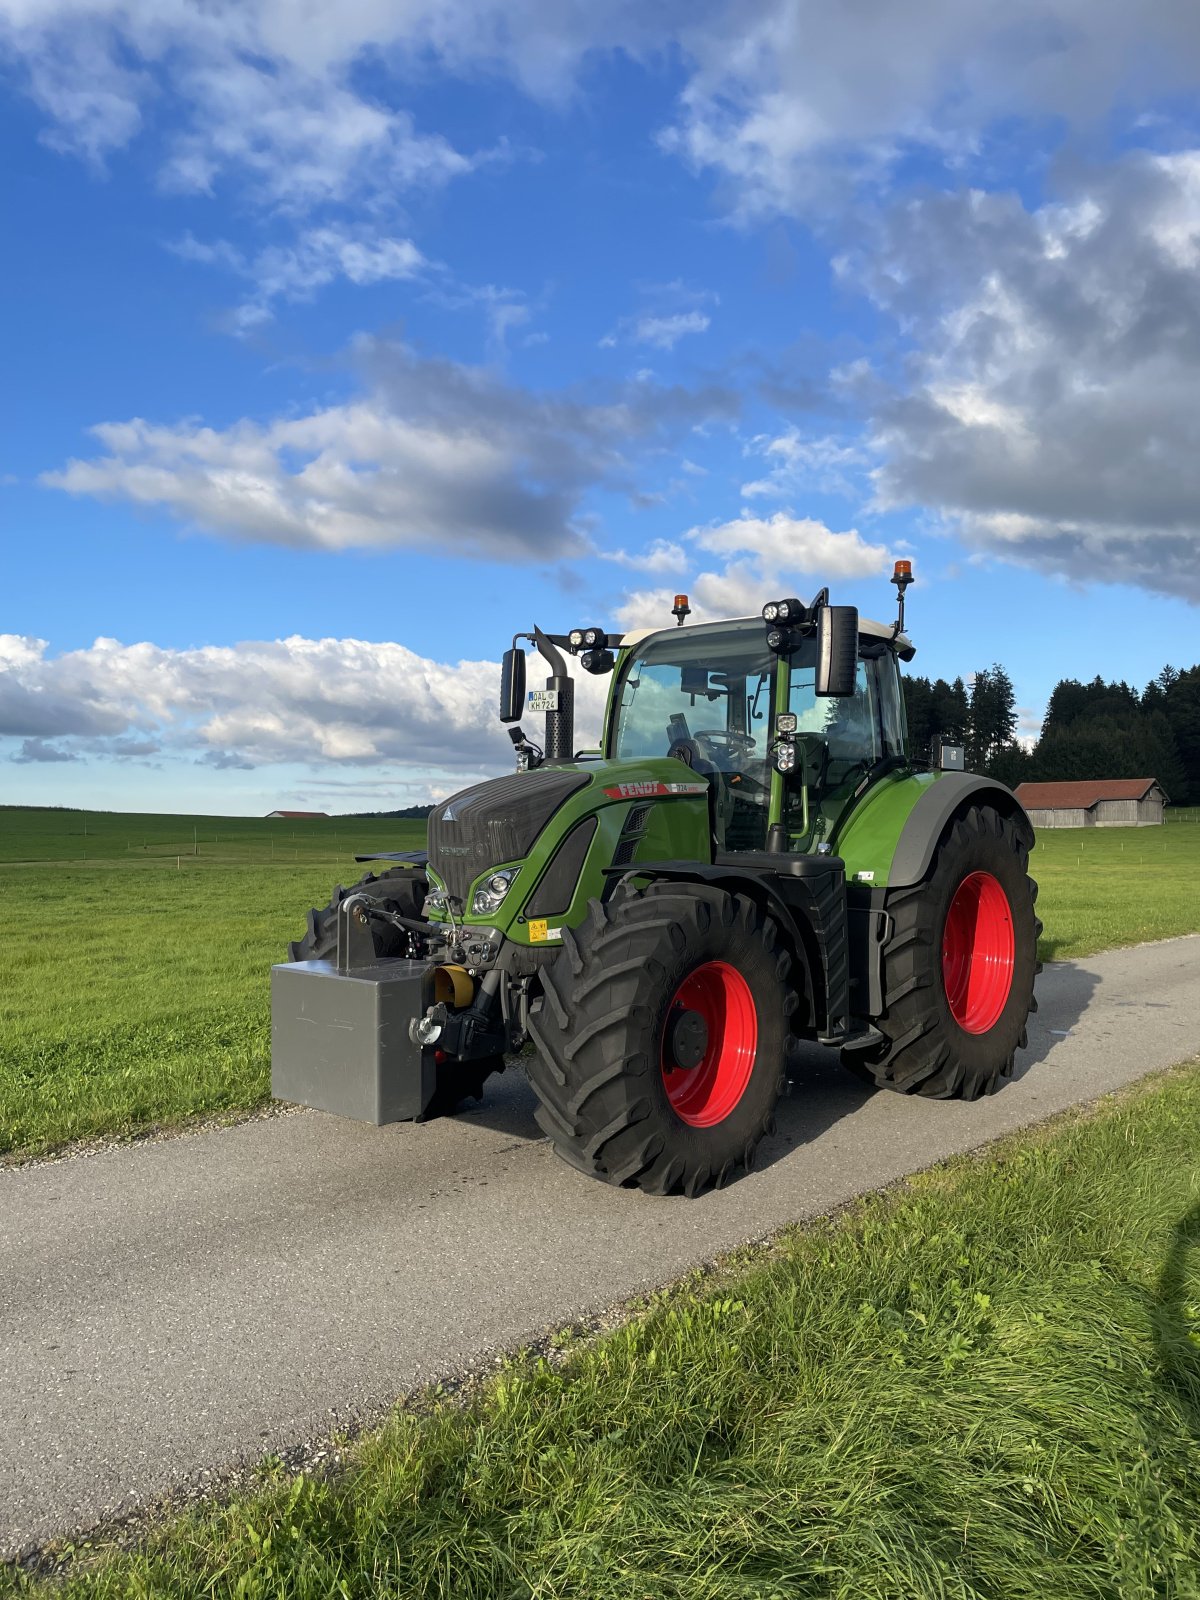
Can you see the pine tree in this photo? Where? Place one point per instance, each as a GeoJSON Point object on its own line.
{"type": "Point", "coordinates": [993, 718]}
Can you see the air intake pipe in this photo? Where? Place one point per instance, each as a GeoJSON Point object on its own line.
{"type": "Point", "coordinates": [560, 724]}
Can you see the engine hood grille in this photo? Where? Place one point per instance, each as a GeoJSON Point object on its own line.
{"type": "Point", "coordinates": [494, 822]}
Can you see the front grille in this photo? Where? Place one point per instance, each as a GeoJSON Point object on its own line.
{"type": "Point", "coordinates": [494, 822]}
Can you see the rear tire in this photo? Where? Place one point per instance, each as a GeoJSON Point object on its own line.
{"type": "Point", "coordinates": [400, 889]}
{"type": "Point", "coordinates": [660, 1038]}
{"type": "Point", "coordinates": [958, 967]}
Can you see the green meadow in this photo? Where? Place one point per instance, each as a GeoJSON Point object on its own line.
{"type": "Point", "coordinates": [139, 952]}
{"type": "Point", "coordinates": [138, 948]}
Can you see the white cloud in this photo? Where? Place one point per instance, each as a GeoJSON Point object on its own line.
{"type": "Point", "coordinates": [436, 455]}
{"type": "Point", "coordinates": [796, 461]}
{"type": "Point", "coordinates": [664, 333]}
{"type": "Point", "coordinates": [669, 312]}
{"type": "Point", "coordinates": [351, 476]}
{"type": "Point", "coordinates": [1050, 414]}
{"type": "Point", "coordinates": [315, 258]}
{"type": "Point", "coordinates": [325, 702]}
{"type": "Point", "coordinates": [660, 556]}
{"type": "Point", "coordinates": [787, 544]}
{"type": "Point", "coordinates": [764, 557]}
{"type": "Point", "coordinates": [300, 141]}
{"type": "Point", "coordinates": [790, 100]}
{"type": "Point", "coordinates": [784, 100]}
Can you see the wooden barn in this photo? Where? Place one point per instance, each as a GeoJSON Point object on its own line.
{"type": "Point", "coordinates": [1096, 803]}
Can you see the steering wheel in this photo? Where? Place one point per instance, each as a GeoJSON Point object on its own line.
{"type": "Point", "coordinates": [735, 743]}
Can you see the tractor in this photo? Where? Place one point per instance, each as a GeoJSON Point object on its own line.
{"type": "Point", "coordinates": [752, 858]}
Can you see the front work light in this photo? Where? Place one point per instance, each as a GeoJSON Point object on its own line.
{"type": "Point", "coordinates": [786, 724]}
{"type": "Point", "coordinates": [597, 661]}
{"type": "Point", "coordinates": [790, 610]}
{"type": "Point", "coordinates": [587, 639]}
{"type": "Point", "coordinates": [491, 891]}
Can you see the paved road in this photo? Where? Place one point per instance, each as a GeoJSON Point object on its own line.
{"type": "Point", "coordinates": [170, 1308]}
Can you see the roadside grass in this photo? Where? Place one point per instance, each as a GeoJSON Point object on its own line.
{"type": "Point", "coordinates": [136, 990]}
{"type": "Point", "coordinates": [983, 1383]}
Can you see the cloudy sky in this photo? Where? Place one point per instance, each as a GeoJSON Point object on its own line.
{"type": "Point", "coordinates": [342, 341]}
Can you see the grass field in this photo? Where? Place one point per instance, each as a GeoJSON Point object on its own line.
{"type": "Point", "coordinates": [135, 992]}
{"type": "Point", "coordinates": [136, 989]}
{"type": "Point", "coordinates": [984, 1385]}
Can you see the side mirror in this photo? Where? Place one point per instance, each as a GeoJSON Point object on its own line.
{"type": "Point", "coordinates": [837, 650]}
{"type": "Point", "coordinates": [512, 685]}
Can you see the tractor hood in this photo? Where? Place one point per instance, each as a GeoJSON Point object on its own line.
{"type": "Point", "coordinates": [556, 831]}
{"type": "Point", "coordinates": [495, 821]}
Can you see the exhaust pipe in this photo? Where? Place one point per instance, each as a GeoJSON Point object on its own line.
{"type": "Point", "coordinates": [560, 724]}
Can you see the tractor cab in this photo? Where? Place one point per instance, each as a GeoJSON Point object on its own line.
{"type": "Point", "coordinates": [781, 759]}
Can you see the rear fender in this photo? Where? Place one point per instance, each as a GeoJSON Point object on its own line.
{"type": "Point", "coordinates": [889, 838]}
{"type": "Point", "coordinates": [929, 818]}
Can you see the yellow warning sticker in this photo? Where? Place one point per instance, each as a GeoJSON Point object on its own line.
{"type": "Point", "coordinates": [539, 931]}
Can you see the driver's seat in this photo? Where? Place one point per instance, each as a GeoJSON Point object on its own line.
{"type": "Point", "coordinates": [689, 752]}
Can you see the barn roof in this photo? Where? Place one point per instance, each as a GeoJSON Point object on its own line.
{"type": "Point", "coordinates": [297, 813]}
{"type": "Point", "coordinates": [1083, 795]}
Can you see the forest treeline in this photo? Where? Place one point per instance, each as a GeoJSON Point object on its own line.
{"type": "Point", "coordinates": [1091, 730]}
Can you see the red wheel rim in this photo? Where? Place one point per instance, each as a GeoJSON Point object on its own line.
{"type": "Point", "coordinates": [978, 949]}
{"type": "Point", "coordinates": [706, 1093]}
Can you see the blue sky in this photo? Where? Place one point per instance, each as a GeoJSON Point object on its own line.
{"type": "Point", "coordinates": [340, 343]}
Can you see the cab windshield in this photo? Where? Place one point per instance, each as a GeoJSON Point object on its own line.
{"type": "Point", "coordinates": [703, 696]}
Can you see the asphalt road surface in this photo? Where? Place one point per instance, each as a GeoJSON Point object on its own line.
{"type": "Point", "coordinates": [172, 1308]}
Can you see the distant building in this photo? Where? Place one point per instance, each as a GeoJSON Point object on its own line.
{"type": "Point", "coordinates": [1096, 803]}
{"type": "Point", "coordinates": [271, 814]}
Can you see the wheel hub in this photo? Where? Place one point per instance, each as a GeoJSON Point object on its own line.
{"type": "Point", "coordinates": [687, 1038]}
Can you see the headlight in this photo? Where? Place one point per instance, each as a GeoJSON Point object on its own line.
{"type": "Point", "coordinates": [770, 612]}
{"type": "Point", "coordinates": [785, 757]}
{"type": "Point", "coordinates": [492, 891]}
{"type": "Point", "coordinates": [576, 637]}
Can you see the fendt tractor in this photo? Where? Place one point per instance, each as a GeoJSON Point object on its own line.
{"type": "Point", "coordinates": [752, 858]}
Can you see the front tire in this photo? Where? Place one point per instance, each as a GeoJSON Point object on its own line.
{"type": "Point", "coordinates": [660, 1038]}
{"type": "Point", "coordinates": [958, 967]}
{"type": "Point", "coordinates": [399, 889]}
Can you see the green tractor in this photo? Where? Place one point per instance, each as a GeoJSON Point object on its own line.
{"type": "Point", "coordinates": [751, 858]}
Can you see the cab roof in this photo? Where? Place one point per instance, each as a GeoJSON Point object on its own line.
{"type": "Point", "coordinates": [873, 630]}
